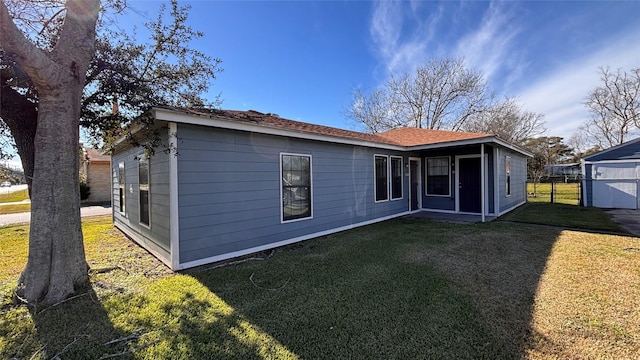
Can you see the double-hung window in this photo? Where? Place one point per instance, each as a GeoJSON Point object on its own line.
{"type": "Point", "coordinates": [507, 169]}
{"type": "Point", "coordinates": [143, 189]}
{"type": "Point", "coordinates": [396, 177]}
{"type": "Point", "coordinates": [438, 176]}
{"type": "Point", "coordinates": [381, 177]}
{"type": "Point", "coordinates": [295, 173]}
{"type": "Point", "coordinates": [121, 187]}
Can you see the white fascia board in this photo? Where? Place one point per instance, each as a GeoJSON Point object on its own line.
{"type": "Point", "coordinates": [172, 116]}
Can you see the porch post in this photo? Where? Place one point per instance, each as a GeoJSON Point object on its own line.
{"type": "Point", "coordinates": [482, 184]}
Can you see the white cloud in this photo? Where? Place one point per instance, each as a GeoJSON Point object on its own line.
{"type": "Point", "coordinates": [491, 47]}
{"type": "Point", "coordinates": [401, 54]}
{"type": "Point", "coordinates": [560, 94]}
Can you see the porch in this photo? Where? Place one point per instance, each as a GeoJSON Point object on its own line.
{"type": "Point", "coordinates": [456, 218]}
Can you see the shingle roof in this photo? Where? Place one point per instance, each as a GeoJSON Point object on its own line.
{"type": "Point", "coordinates": [416, 136]}
{"type": "Point", "coordinates": [401, 137]}
{"type": "Point", "coordinates": [94, 155]}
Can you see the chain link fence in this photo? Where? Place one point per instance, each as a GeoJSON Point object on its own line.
{"type": "Point", "coordinates": [555, 191]}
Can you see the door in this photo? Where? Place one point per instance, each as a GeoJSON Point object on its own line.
{"type": "Point", "coordinates": [469, 190]}
{"type": "Point", "coordinates": [414, 179]}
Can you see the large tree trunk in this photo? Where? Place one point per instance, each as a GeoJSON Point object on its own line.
{"type": "Point", "coordinates": [56, 266]}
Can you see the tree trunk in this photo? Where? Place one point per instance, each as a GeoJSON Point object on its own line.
{"type": "Point", "coordinates": [56, 266]}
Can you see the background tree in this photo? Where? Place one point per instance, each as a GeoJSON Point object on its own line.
{"type": "Point", "coordinates": [56, 265]}
{"type": "Point", "coordinates": [122, 82]}
{"type": "Point", "coordinates": [125, 75]}
{"type": "Point", "coordinates": [546, 150]}
{"type": "Point", "coordinates": [507, 120]}
{"type": "Point", "coordinates": [374, 110]}
{"type": "Point", "coordinates": [614, 107]}
{"type": "Point", "coordinates": [441, 94]}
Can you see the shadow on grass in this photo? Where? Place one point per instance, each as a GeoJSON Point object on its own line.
{"type": "Point", "coordinates": [587, 219]}
{"type": "Point", "coordinates": [74, 329]}
{"type": "Point", "coordinates": [399, 289]}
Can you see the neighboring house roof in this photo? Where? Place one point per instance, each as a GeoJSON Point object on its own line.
{"type": "Point", "coordinates": [252, 120]}
{"type": "Point", "coordinates": [94, 156]}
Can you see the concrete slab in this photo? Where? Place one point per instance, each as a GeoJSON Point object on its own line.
{"type": "Point", "coordinates": [628, 219]}
{"type": "Point", "coordinates": [451, 217]}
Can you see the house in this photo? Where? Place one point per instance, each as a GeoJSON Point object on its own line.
{"type": "Point", "coordinates": [96, 168]}
{"type": "Point", "coordinates": [238, 182]}
{"type": "Point", "coordinates": [610, 177]}
{"type": "Point", "coordinates": [565, 172]}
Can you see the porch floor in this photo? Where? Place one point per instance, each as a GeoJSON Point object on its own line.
{"type": "Point", "coordinates": [451, 217]}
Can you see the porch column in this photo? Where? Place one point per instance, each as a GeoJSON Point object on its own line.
{"type": "Point", "coordinates": [482, 184]}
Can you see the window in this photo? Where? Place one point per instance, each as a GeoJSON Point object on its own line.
{"type": "Point", "coordinates": [381, 178]}
{"type": "Point", "coordinates": [143, 189]}
{"type": "Point", "coordinates": [121, 186]}
{"type": "Point", "coordinates": [507, 168]}
{"type": "Point", "coordinates": [296, 186]}
{"type": "Point", "coordinates": [396, 177]}
{"type": "Point", "coordinates": [438, 180]}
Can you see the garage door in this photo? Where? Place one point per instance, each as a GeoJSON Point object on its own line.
{"type": "Point", "coordinates": [615, 185]}
{"type": "Point", "coordinates": [615, 194]}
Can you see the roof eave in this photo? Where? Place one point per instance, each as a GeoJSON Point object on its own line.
{"type": "Point", "coordinates": [220, 122]}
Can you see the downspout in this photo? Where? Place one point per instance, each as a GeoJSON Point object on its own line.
{"type": "Point", "coordinates": [482, 182]}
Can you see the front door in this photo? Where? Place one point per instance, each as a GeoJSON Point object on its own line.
{"type": "Point", "coordinates": [414, 179]}
{"type": "Point", "coordinates": [469, 191]}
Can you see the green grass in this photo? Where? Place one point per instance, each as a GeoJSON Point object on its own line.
{"type": "Point", "coordinates": [565, 193]}
{"type": "Point", "coordinates": [15, 196]}
{"type": "Point", "coordinates": [571, 216]}
{"type": "Point", "coordinates": [400, 289]}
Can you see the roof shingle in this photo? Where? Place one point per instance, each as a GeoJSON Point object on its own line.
{"type": "Point", "coordinates": [401, 137]}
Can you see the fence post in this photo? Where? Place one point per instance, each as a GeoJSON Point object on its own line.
{"type": "Point", "coordinates": [553, 189]}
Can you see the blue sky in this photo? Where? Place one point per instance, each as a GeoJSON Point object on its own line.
{"type": "Point", "coordinates": [301, 59]}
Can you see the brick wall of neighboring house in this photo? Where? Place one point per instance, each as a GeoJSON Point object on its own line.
{"type": "Point", "coordinates": [97, 167]}
{"type": "Point", "coordinates": [99, 179]}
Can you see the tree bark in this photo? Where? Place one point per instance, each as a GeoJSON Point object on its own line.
{"type": "Point", "coordinates": [56, 266]}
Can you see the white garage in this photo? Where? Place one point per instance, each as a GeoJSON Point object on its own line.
{"type": "Point", "coordinates": [611, 178]}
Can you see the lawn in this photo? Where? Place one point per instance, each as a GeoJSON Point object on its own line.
{"type": "Point", "coordinates": [565, 193]}
{"type": "Point", "coordinates": [405, 288]}
{"type": "Point", "coordinates": [15, 196]}
{"type": "Point", "coordinates": [14, 208]}
{"type": "Point", "coordinates": [569, 216]}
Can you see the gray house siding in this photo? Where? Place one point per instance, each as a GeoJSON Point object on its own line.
{"type": "Point", "coordinates": [155, 237]}
{"type": "Point", "coordinates": [229, 190]}
{"type": "Point", "coordinates": [518, 180]}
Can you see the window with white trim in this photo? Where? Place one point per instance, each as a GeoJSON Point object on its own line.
{"type": "Point", "coordinates": [381, 181]}
{"type": "Point", "coordinates": [507, 170]}
{"type": "Point", "coordinates": [295, 173]}
{"type": "Point", "coordinates": [396, 177]}
{"type": "Point", "coordinates": [143, 190]}
{"type": "Point", "coordinates": [438, 176]}
{"type": "Point", "coordinates": [121, 187]}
